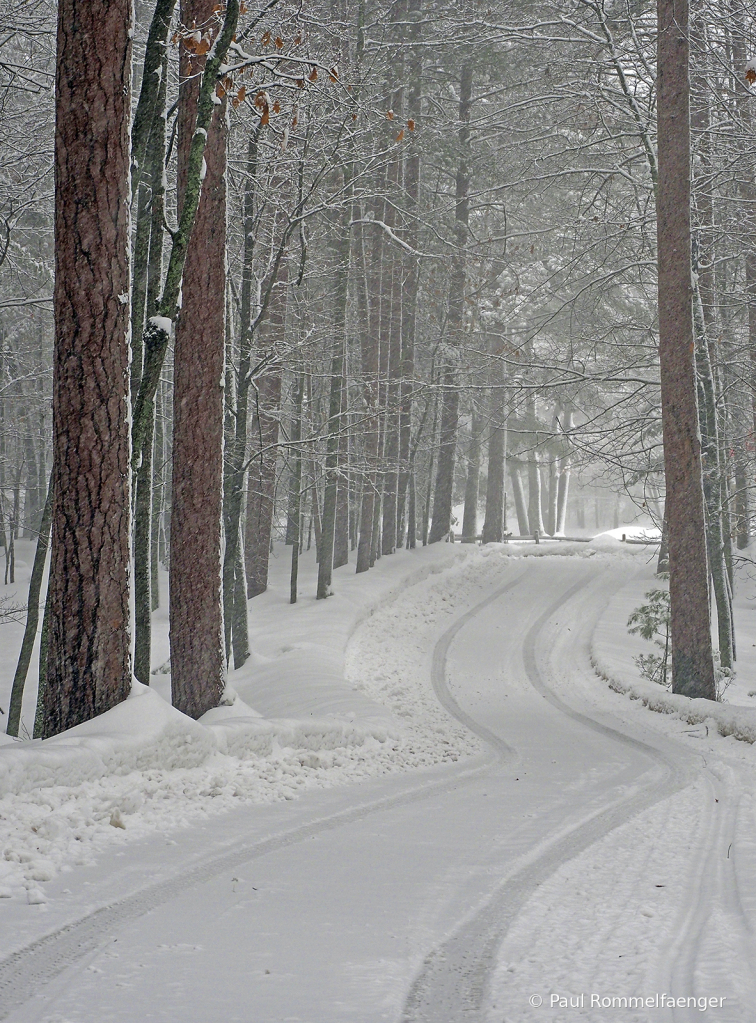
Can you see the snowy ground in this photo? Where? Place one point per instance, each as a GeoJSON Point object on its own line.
{"type": "Point", "coordinates": [523, 830]}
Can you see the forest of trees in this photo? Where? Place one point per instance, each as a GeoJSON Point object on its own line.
{"type": "Point", "coordinates": [321, 273]}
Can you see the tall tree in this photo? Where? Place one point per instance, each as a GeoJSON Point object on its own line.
{"type": "Point", "coordinates": [444, 492]}
{"type": "Point", "coordinates": [261, 485]}
{"type": "Point", "coordinates": [196, 608]}
{"type": "Point", "coordinates": [692, 662]}
{"type": "Point", "coordinates": [89, 659]}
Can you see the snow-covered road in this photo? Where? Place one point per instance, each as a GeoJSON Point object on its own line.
{"type": "Point", "coordinates": [588, 852]}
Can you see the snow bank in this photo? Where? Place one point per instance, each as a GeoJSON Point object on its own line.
{"type": "Point", "coordinates": [613, 649]}
{"type": "Point", "coordinates": [141, 733]}
{"type": "Point", "coordinates": [144, 733]}
{"type": "Point", "coordinates": [145, 767]}
{"type": "Point", "coordinates": [739, 722]}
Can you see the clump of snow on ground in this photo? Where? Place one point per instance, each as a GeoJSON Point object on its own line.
{"type": "Point", "coordinates": [145, 767]}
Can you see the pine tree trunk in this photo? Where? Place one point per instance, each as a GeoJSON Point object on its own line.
{"type": "Point", "coordinates": [747, 190]}
{"type": "Point", "coordinates": [692, 663]}
{"type": "Point", "coordinates": [535, 517]}
{"type": "Point", "coordinates": [89, 658]}
{"type": "Point", "coordinates": [443, 495]}
{"type": "Point", "coordinates": [315, 511]}
{"type": "Point", "coordinates": [196, 610]}
{"type": "Point", "coordinates": [534, 493]}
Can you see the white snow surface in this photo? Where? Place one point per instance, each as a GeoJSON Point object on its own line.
{"type": "Point", "coordinates": [158, 769]}
{"type": "Point", "coordinates": [526, 835]}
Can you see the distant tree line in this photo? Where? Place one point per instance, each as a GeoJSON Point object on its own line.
{"type": "Point", "coordinates": [323, 274]}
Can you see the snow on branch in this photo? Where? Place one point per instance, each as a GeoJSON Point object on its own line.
{"type": "Point", "coordinates": [394, 237]}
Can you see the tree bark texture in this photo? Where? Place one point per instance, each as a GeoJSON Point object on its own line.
{"type": "Point", "coordinates": [747, 190]}
{"type": "Point", "coordinates": [196, 610]}
{"type": "Point", "coordinates": [153, 83]}
{"type": "Point", "coordinates": [157, 331]}
{"type": "Point", "coordinates": [158, 505]}
{"type": "Point", "coordinates": [692, 663]}
{"type": "Point", "coordinates": [89, 659]}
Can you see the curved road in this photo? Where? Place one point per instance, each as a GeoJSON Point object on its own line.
{"type": "Point", "coordinates": [462, 893]}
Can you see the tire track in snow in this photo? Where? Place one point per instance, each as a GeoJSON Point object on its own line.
{"type": "Point", "coordinates": [717, 903]}
{"type": "Point", "coordinates": [29, 969]}
{"type": "Point", "coordinates": [453, 981]}
{"type": "Point", "coordinates": [438, 674]}
{"type": "Point", "coordinates": [26, 971]}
